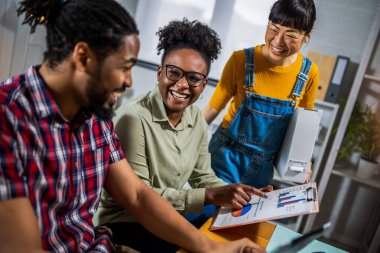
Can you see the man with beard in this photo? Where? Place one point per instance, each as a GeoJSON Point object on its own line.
{"type": "Point", "coordinates": [57, 144]}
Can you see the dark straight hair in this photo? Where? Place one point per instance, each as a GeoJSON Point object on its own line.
{"type": "Point", "coordinates": [299, 14]}
{"type": "Point", "coordinates": [102, 24]}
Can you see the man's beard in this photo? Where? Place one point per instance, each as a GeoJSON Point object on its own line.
{"type": "Point", "coordinates": [98, 109]}
{"type": "Point", "coordinates": [97, 99]}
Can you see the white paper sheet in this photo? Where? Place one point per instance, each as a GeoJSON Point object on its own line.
{"type": "Point", "coordinates": [291, 201]}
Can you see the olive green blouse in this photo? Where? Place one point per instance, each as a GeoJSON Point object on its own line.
{"type": "Point", "coordinates": [163, 156]}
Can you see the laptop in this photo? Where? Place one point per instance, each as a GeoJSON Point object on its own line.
{"type": "Point", "coordinates": [300, 242]}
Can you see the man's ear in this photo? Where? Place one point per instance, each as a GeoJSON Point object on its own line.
{"type": "Point", "coordinates": [83, 56]}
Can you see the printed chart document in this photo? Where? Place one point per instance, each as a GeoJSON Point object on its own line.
{"type": "Point", "coordinates": [282, 203]}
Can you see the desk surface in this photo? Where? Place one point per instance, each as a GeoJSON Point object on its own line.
{"type": "Point", "coordinates": [282, 235]}
{"type": "Point", "coordinates": [265, 234]}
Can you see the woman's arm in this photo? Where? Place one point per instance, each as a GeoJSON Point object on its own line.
{"type": "Point", "coordinates": [225, 89]}
{"type": "Point", "coordinates": [311, 88]}
{"type": "Point", "coordinates": [209, 113]}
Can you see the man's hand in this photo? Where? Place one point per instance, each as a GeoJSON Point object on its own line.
{"type": "Point", "coordinates": [165, 222]}
{"type": "Point", "coordinates": [239, 246]}
{"type": "Point", "coordinates": [233, 195]}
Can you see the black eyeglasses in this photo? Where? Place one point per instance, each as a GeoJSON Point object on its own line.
{"type": "Point", "coordinates": [175, 73]}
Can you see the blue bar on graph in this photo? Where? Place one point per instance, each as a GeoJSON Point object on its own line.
{"type": "Point", "coordinates": [286, 198]}
{"type": "Point", "coordinates": [290, 202]}
{"type": "Point", "coordinates": [283, 194]}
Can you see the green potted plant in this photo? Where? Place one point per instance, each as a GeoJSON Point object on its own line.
{"type": "Point", "coordinates": [361, 142]}
{"type": "Point", "coordinates": [350, 149]}
{"type": "Point", "coordinates": [369, 144]}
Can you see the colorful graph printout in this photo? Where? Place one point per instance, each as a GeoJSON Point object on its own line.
{"type": "Point", "coordinates": [287, 202]}
{"type": "Point", "coordinates": [241, 212]}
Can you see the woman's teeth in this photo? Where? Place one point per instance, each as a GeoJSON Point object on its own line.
{"type": "Point", "coordinates": [277, 50]}
{"type": "Point", "coordinates": [177, 95]}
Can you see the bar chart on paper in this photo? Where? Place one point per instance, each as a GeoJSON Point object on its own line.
{"type": "Point", "coordinates": [291, 201]}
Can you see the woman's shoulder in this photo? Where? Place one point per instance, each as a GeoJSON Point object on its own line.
{"type": "Point", "coordinates": [196, 115]}
{"type": "Point", "coordinates": [314, 70]}
{"type": "Point", "coordinates": [194, 110]}
{"type": "Point", "coordinates": [142, 101]}
{"type": "Point", "coordinates": [236, 59]}
{"type": "Point", "coordinates": [136, 105]}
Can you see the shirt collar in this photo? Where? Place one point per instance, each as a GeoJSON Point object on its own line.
{"type": "Point", "coordinates": [45, 105]}
{"type": "Point", "coordinates": [159, 113]}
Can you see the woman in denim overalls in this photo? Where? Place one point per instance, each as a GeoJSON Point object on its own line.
{"type": "Point", "coordinates": [244, 146]}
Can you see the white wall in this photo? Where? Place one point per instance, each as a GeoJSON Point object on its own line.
{"type": "Point", "coordinates": [342, 27]}
{"type": "Point", "coordinates": [18, 48]}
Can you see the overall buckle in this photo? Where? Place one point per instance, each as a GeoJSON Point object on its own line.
{"type": "Point", "coordinates": [303, 77]}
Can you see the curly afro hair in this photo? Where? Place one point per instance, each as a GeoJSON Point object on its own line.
{"type": "Point", "coordinates": [189, 34]}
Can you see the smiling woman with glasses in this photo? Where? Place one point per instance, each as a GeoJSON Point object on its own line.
{"type": "Point", "coordinates": [164, 137]}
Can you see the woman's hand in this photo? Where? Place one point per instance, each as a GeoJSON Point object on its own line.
{"type": "Point", "coordinates": [309, 173]}
{"type": "Point", "coordinates": [234, 195]}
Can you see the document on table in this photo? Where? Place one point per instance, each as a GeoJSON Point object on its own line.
{"type": "Point", "coordinates": [281, 203]}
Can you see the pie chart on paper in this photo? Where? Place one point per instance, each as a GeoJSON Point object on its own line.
{"type": "Point", "coordinates": [241, 212]}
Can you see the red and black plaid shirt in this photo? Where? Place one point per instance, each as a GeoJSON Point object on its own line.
{"type": "Point", "coordinates": [59, 165]}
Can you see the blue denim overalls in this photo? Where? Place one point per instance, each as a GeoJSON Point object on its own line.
{"type": "Point", "coordinates": [244, 151]}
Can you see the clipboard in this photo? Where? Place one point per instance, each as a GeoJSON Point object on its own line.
{"type": "Point", "coordinates": [282, 203]}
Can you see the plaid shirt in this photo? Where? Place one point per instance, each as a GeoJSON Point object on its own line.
{"type": "Point", "coordinates": [59, 165]}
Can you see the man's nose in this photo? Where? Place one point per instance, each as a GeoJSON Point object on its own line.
{"type": "Point", "coordinates": [128, 78]}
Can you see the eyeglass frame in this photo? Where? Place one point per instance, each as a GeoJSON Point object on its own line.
{"type": "Point", "coordinates": [184, 74]}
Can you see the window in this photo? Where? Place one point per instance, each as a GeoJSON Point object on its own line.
{"type": "Point", "coordinates": [239, 23]}
{"type": "Point", "coordinates": [246, 29]}
{"type": "Point", "coordinates": [152, 14]}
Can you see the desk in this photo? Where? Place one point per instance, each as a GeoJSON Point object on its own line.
{"type": "Point", "coordinates": [265, 234]}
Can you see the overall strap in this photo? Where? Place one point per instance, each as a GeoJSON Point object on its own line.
{"type": "Point", "coordinates": [249, 67]}
{"type": "Point", "coordinates": [302, 77]}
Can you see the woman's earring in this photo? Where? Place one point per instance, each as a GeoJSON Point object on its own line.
{"type": "Point", "coordinates": [158, 83]}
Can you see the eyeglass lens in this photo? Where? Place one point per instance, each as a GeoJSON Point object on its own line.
{"type": "Point", "coordinates": [175, 73]}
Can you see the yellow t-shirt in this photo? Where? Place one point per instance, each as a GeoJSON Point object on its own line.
{"type": "Point", "coordinates": [270, 81]}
